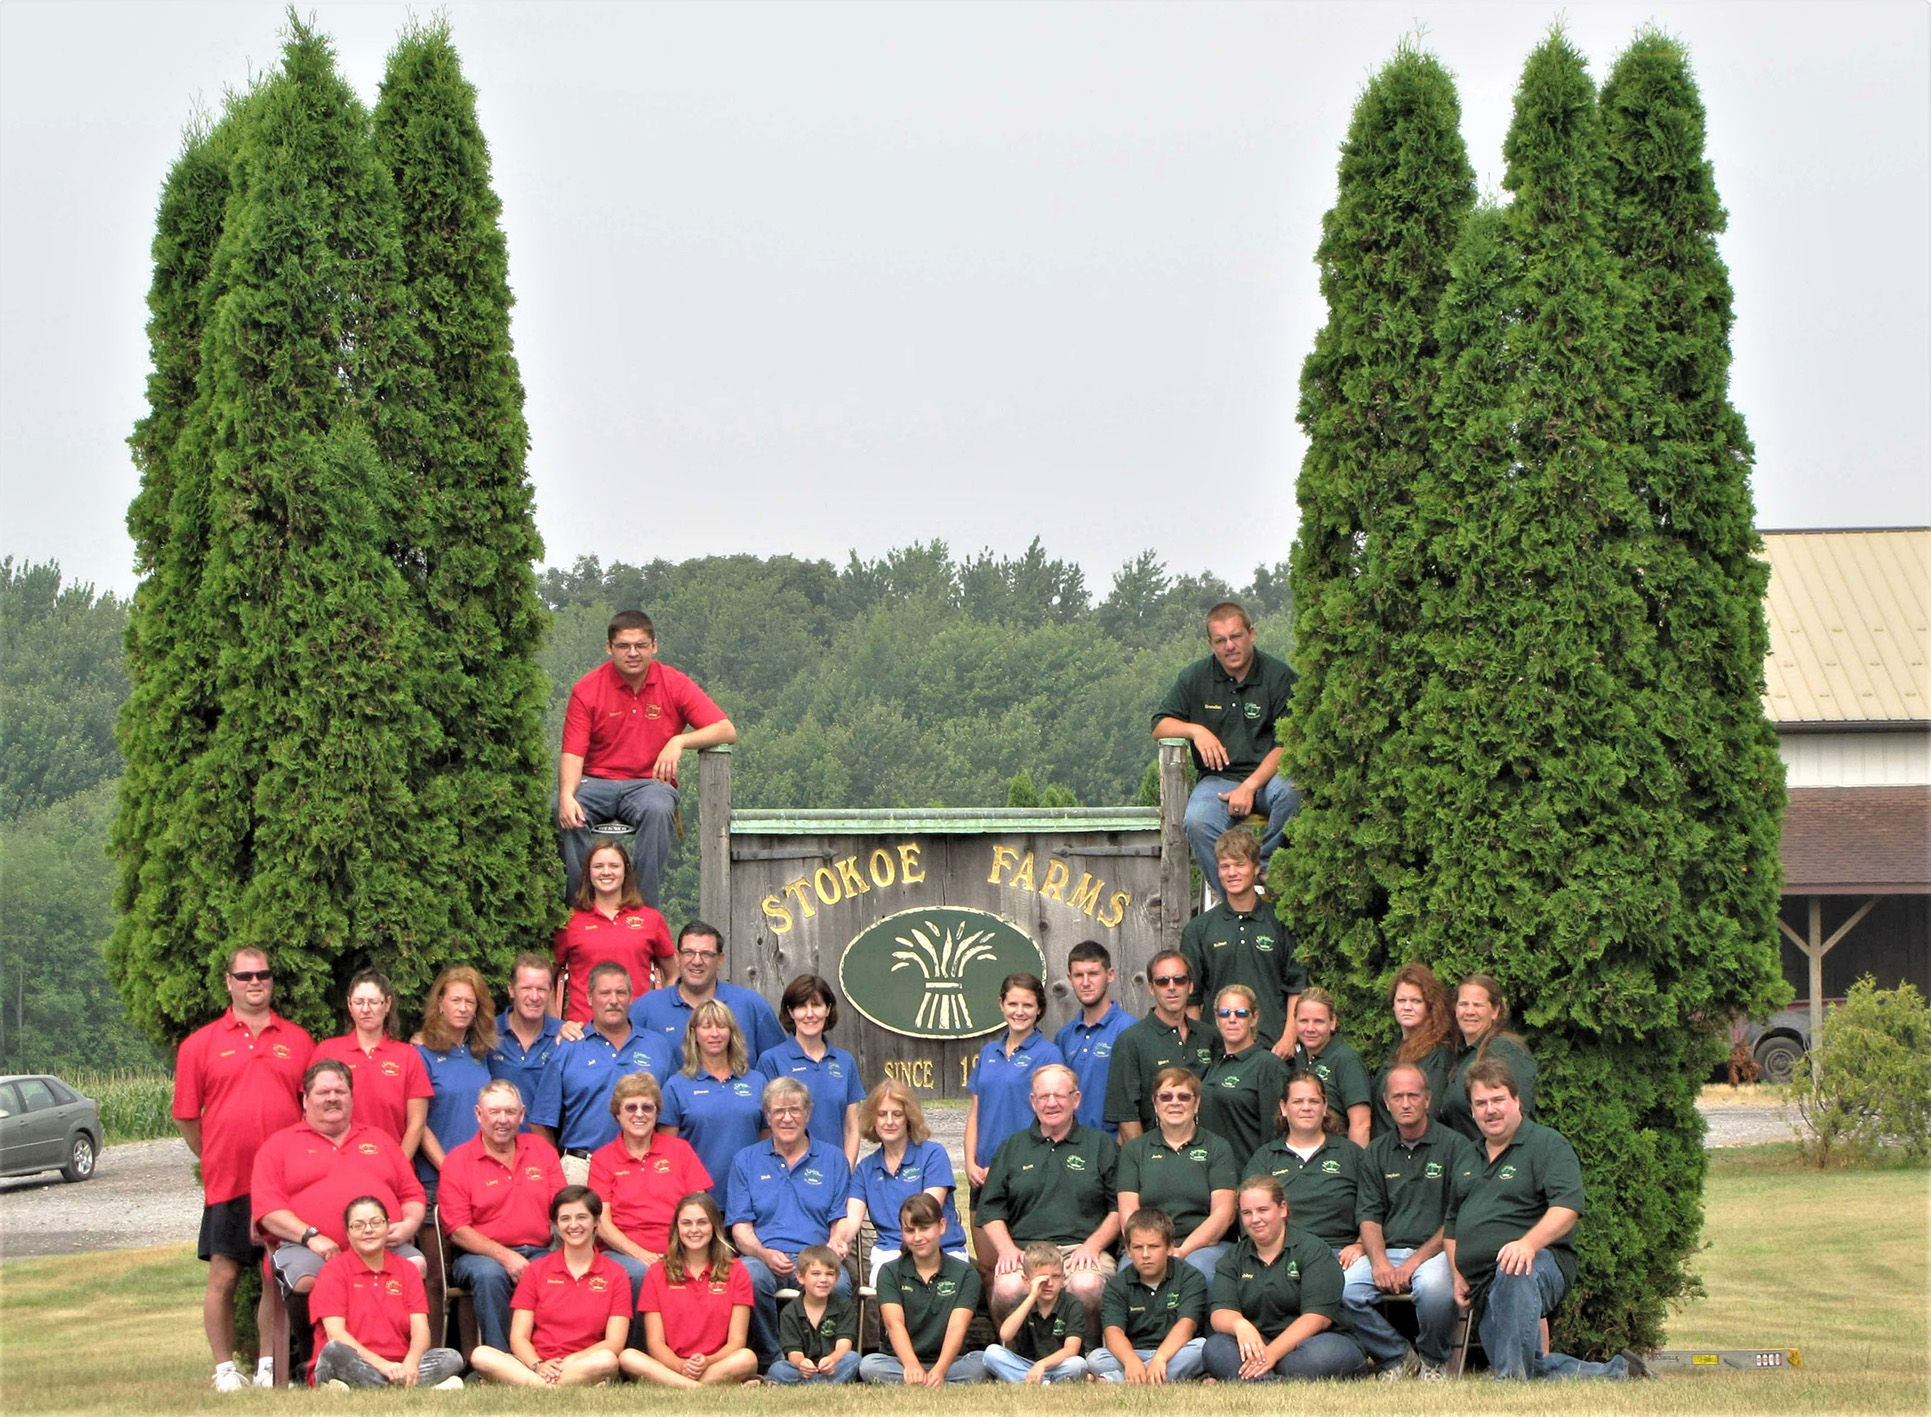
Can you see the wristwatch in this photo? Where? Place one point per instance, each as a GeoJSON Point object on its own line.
{"type": "Point", "coordinates": [310, 1234]}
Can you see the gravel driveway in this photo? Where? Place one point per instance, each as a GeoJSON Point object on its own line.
{"type": "Point", "coordinates": [144, 1193]}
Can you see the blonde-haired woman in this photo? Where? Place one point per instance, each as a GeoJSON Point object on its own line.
{"type": "Point", "coordinates": [906, 1163]}
{"type": "Point", "coordinates": [715, 1101]}
{"type": "Point", "coordinates": [696, 1306]}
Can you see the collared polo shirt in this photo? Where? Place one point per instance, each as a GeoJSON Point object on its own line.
{"type": "Point", "coordinates": [666, 1012]}
{"type": "Point", "coordinates": [523, 1066]}
{"type": "Point", "coordinates": [1240, 1097]}
{"type": "Point", "coordinates": [719, 1117]}
{"type": "Point", "coordinates": [1344, 1077]}
{"type": "Point", "coordinates": [386, 1079]}
{"type": "Point", "coordinates": [242, 1087]}
{"type": "Point", "coordinates": [1087, 1049]}
{"type": "Point", "coordinates": [574, 1093]}
{"type": "Point", "coordinates": [1242, 715]}
{"type": "Point", "coordinates": [1051, 1190]}
{"type": "Point", "coordinates": [1227, 946]}
{"type": "Point", "coordinates": [1451, 1104]}
{"type": "Point", "coordinates": [1146, 1313]}
{"type": "Point", "coordinates": [640, 1193]}
{"type": "Point", "coordinates": [831, 1080]}
{"type": "Point", "coordinates": [571, 1312]}
{"type": "Point", "coordinates": [790, 1204]}
{"type": "Point", "coordinates": [1404, 1186]}
{"type": "Point", "coordinates": [1303, 1279]}
{"type": "Point", "coordinates": [1004, 1086]}
{"type": "Point", "coordinates": [1139, 1055]}
{"type": "Point", "coordinates": [696, 1310]}
{"type": "Point", "coordinates": [928, 1304]}
{"type": "Point", "coordinates": [1434, 1064]}
{"type": "Point", "coordinates": [1323, 1191]}
{"type": "Point", "coordinates": [1494, 1202]}
{"type": "Point", "coordinates": [635, 938]}
{"type": "Point", "coordinates": [300, 1170]}
{"type": "Point", "coordinates": [1179, 1180]}
{"type": "Point", "coordinates": [508, 1201]}
{"type": "Point", "coordinates": [456, 1075]}
{"type": "Point", "coordinates": [1040, 1335]}
{"type": "Point", "coordinates": [884, 1192]}
{"type": "Point", "coordinates": [374, 1304]}
{"type": "Point", "coordinates": [620, 732]}
{"type": "Point", "coordinates": [798, 1334]}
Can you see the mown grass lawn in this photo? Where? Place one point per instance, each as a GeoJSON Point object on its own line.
{"type": "Point", "coordinates": [1836, 1264]}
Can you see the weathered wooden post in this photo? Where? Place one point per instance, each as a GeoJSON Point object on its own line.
{"type": "Point", "coordinates": [1176, 877]}
{"type": "Point", "coordinates": [714, 846]}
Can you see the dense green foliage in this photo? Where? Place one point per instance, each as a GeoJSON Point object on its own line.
{"type": "Point", "coordinates": [61, 685]}
{"type": "Point", "coordinates": [1868, 1082]}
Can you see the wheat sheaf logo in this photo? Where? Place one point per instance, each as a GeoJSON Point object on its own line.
{"type": "Point", "coordinates": [935, 972]}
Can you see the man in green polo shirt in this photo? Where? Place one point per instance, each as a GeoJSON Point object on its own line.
{"type": "Point", "coordinates": [1165, 1038]}
{"type": "Point", "coordinates": [1226, 706]}
{"type": "Point", "coordinates": [1240, 941]}
{"type": "Point", "coordinates": [1055, 1181]}
{"type": "Point", "coordinates": [1402, 1201]}
{"type": "Point", "coordinates": [1512, 1210]}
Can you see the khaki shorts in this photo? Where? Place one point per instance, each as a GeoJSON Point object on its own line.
{"type": "Point", "coordinates": [576, 1170]}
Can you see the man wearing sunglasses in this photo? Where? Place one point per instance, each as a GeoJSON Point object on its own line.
{"type": "Point", "coordinates": [236, 1081]}
{"type": "Point", "coordinates": [1165, 1038]}
{"type": "Point", "coordinates": [628, 722]}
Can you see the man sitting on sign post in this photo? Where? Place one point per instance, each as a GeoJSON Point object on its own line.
{"type": "Point", "coordinates": [628, 722]}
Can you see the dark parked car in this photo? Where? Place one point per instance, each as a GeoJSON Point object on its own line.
{"type": "Point", "coordinates": [47, 1126]}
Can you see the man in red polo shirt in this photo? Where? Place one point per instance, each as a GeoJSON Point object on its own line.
{"type": "Point", "coordinates": [628, 722]}
{"type": "Point", "coordinates": [494, 1205]}
{"type": "Point", "coordinates": [236, 1082]}
{"type": "Point", "coordinates": [306, 1175]}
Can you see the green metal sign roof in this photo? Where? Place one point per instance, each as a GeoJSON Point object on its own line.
{"type": "Point", "coordinates": [943, 821]}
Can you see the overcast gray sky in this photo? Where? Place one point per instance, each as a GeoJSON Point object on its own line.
{"type": "Point", "coordinates": [805, 278]}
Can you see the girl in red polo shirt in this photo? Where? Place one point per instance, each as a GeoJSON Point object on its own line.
{"type": "Point", "coordinates": [372, 1315]}
{"type": "Point", "coordinates": [390, 1084]}
{"type": "Point", "coordinates": [696, 1306]}
{"type": "Point", "coordinates": [611, 922]}
{"type": "Point", "coordinates": [571, 1312]}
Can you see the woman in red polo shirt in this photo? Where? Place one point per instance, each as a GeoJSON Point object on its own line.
{"type": "Point", "coordinates": [642, 1173]}
{"type": "Point", "coordinates": [390, 1085]}
{"type": "Point", "coordinates": [611, 922]}
{"type": "Point", "coordinates": [571, 1312]}
{"type": "Point", "coordinates": [696, 1307]}
{"type": "Point", "coordinates": [372, 1315]}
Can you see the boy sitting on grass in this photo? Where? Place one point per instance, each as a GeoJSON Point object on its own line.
{"type": "Point", "coordinates": [1039, 1340]}
{"type": "Point", "coordinates": [1153, 1313]}
{"type": "Point", "coordinates": [818, 1330]}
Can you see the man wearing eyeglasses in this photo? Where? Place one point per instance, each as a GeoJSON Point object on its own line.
{"type": "Point", "coordinates": [666, 1012]}
{"type": "Point", "coordinates": [1165, 1038]}
{"type": "Point", "coordinates": [237, 1081]}
{"type": "Point", "coordinates": [628, 722]}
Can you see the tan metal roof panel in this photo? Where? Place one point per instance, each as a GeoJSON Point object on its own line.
{"type": "Point", "coordinates": [1849, 614]}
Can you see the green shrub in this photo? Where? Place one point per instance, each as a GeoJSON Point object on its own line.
{"type": "Point", "coordinates": [1867, 1082]}
{"type": "Point", "coordinates": [135, 1106]}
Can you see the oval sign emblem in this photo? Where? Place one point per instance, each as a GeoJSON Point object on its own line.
{"type": "Point", "coordinates": [935, 972]}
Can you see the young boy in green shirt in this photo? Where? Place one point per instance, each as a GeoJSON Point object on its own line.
{"type": "Point", "coordinates": [1039, 1340]}
{"type": "Point", "coordinates": [818, 1331]}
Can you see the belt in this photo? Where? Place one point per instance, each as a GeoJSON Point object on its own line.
{"type": "Point", "coordinates": [579, 1152]}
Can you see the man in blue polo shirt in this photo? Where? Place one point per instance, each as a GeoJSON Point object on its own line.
{"type": "Point", "coordinates": [666, 1012]}
{"type": "Point", "coordinates": [1086, 1041]}
{"type": "Point", "coordinates": [786, 1192]}
{"type": "Point", "coordinates": [526, 1033]}
{"type": "Point", "coordinates": [572, 1107]}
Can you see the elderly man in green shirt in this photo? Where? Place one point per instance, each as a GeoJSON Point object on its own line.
{"type": "Point", "coordinates": [1511, 1215]}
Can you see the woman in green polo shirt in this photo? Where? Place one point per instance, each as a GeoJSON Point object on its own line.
{"type": "Point", "coordinates": [1482, 1014]}
{"type": "Point", "coordinates": [1276, 1305]}
{"type": "Point", "coordinates": [1184, 1169]}
{"type": "Point", "coordinates": [1240, 1088]}
{"type": "Point", "coordinates": [1421, 1007]}
{"type": "Point", "coordinates": [1323, 1052]}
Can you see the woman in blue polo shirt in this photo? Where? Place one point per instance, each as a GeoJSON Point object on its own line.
{"type": "Point", "coordinates": [458, 1033]}
{"type": "Point", "coordinates": [809, 1010]}
{"type": "Point", "coordinates": [906, 1163]}
{"type": "Point", "coordinates": [1002, 1080]}
{"type": "Point", "coordinates": [715, 1102]}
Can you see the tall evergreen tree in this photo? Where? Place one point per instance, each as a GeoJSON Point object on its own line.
{"type": "Point", "coordinates": [1703, 578]}
{"type": "Point", "coordinates": [482, 800]}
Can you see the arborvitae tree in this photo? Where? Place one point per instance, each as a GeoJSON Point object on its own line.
{"type": "Point", "coordinates": [1703, 576]}
{"type": "Point", "coordinates": [1405, 188]}
{"type": "Point", "coordinates": [472, 544]}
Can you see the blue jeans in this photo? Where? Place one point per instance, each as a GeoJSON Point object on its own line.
{"type": "Point", "coordinates": [1511, 1326]}
{"type": "Point", "coordinates": [1205, 1258]}
{"type": "Point", "coordinates": [646, 804]}
{"type": "Point", "coordinates": [1207, 818]}
{"type": "Point", "coordinates": [1433, 1288]}
{"type": "Point", "coordinates": [338, 1362]}
{"type": "Point", "coordinates": [1008, 1367]}
{"type": "Point", "coordinates": [490, 1290]}
{"type": "Point", "coordinates": [886, 1368]}
{"type": "Point", "coordinates": [764, 1306]}
{"type": "Point", "coordinates": [1328, 1354]}
{"type": "Point", "coordinates": [1377, 1337]}
{"type": "Point", "coordinates": [1185, 1363]}
{"type": "Point", "coordinates": [786, 1372]}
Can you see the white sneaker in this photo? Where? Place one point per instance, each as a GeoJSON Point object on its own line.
{"type": "Point", "coordinates": [336, 1385]}
{"type": "Point", "coordinates": [452, 1383]}
{"type": "Point", "coordinates": [228, 1378]}
{"type": "Point", "coordinates": [265, 1373]}
{"type": "Point", "coordinates": [1433, 1372]}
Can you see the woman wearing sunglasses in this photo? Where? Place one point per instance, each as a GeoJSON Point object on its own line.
{"type": "Point", "coordinates": [1184, 1169]}
{"type": "Point", "coordinates": [1238, 1094]}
